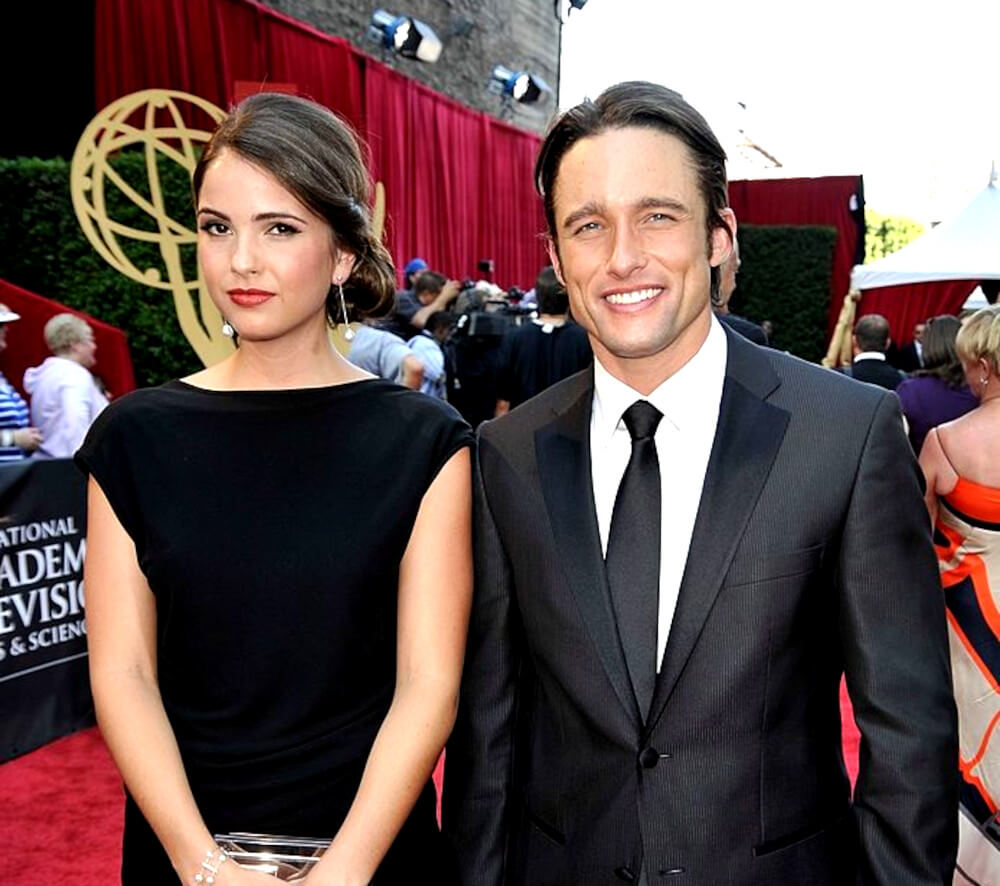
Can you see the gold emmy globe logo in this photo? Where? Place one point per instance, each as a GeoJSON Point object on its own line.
{"type": "Point", "coordinates": [152, 121]}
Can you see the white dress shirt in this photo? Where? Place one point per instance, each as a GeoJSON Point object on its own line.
{"type": "Point", "coordinates": [869, 355]}
{"type": "Point", "coordinates": [689, 401]}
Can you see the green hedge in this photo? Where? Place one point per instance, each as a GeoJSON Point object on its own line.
{"type": "Point", "coordinates": [785, 275]}
{"type": "Point", "coordinates": [43, 249]}
{"type": "Point", "coordinates": [785, 278]}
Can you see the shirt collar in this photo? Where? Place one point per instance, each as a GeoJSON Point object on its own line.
{"type": "Point", "coordinates": [870, 355]}
{"type": "Point", "coordinates": [681, 398]}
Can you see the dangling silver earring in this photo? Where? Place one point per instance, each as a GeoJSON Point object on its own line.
{"type": "Point", "coordinates": [348, 332]}
{"type": "Point", "coordinates": [227, 328]}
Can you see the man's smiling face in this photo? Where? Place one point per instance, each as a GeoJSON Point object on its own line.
{"type": "Point", "coordinates": [632, 248]}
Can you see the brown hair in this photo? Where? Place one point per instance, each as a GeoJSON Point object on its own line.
{"type": "Point", "coordinates": [938, 350]}
{"type": "Point", "coordinates": [316, 156]}
{"type": "Point", "coordinates": [550, 293]}
{"type": "Point", "coordinates": [429, 281]}
{"type": "Point", "coordinates": [872, 333]}
{"type": "Point", "coordinates": [647, 105]}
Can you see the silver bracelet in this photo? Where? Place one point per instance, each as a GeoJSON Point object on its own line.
{"type": "Point", "coordinates": [214, 859]}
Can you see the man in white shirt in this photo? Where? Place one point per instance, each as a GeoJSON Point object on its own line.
{"type": "Point", "coordinates": [385, 355]}
{"type": "Point", "coordinates": [428, 348]}
{"type": "Point", "coordinates": [678, 555]}
{"type": "Point", "coordinates": [65, 399]}
{"type": "Point", "coordinates": [870, 342]}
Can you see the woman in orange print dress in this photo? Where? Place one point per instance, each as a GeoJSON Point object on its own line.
{"type": "Point", "coordinates": [963, 497]}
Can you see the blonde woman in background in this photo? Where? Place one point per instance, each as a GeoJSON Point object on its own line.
{"type": "Point", "coordinates": [959, 460]}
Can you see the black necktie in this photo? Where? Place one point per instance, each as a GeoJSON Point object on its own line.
{"type": "Point", "coordinates": [633, 558]}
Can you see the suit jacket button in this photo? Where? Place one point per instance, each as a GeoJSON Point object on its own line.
{"type": "Point", "coordinates": [625, 873]}
{"type": "Point", "coordinates": [648, 758]}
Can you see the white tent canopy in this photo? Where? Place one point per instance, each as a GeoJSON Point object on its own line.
{"type": "Point", "coordinates": [976, 300]}
{"type": "Point", "coordinates": [965, 248]}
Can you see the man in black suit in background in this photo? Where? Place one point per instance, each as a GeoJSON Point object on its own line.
{"type": "Point", "coordinates": [727, 286]}
{"type": "Point", "coordinates": [910, 358]}
{"type": "Point", "coordinates": [870, 343]}
{"type": "Point", "coordinates": [678, 552]}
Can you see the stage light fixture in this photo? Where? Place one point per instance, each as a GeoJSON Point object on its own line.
{"type": "Point", "coordinates": [569, 6]}
{"type": "Point", "coordinates": [520, 86]}
{"type": "Point", "coordinates": [405, 35]}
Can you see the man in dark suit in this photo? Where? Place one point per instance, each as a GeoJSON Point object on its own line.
{"type": "Point", "coordinates": [870, 342]}
{"type": "Point", "coordinates": [727, 286]}
{"type": "Point", "coordinates": [679, 552]}
{"type": "Point", "coordinates": [909, 358]}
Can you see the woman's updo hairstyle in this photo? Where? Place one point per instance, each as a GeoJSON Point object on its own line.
{"type": "Point", "coordinates": [317, 157]}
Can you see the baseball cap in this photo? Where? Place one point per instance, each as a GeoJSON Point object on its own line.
{"type": "Point", "coordinates": [7, 315]}
{"type": "Point", "coordinates": [415, 264]}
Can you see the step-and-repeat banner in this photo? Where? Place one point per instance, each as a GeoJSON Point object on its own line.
{"type": "Point", "coordinates": [44, 691]}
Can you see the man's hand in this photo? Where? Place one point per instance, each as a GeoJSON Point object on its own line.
{"type": "Point", "coordinates": [449, 292]}
{"type": "Point", "coordinates": [28, 439]}
{"type": "Point", "coordinates": [411, 372]}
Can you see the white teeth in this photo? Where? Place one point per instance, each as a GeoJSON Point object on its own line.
{"type": "Point", "coordinates": [631, 298]}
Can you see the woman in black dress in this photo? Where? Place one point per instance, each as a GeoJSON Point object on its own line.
{"type": "Point", "coordinates": [279, 558]}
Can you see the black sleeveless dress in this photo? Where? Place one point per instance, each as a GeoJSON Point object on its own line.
{"type": "Point", "coordinates": [270, 526]}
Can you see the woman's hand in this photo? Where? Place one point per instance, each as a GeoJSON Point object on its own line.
{"type": "Point", "coordinates": [231, 874]}
{"type": "Point", "coordinates": [315, 877]}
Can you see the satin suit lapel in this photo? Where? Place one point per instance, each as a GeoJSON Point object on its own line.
{"type": "Point", "coordinates": [562, 449]}
{"type": "Point", "coordinates": [747, 439]}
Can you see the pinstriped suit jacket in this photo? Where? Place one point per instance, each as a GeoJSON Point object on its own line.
{"type": "Point", "coordinates": [811, 556]}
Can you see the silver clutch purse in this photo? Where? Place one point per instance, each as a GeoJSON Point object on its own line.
{"type": "Point", "coordinates": [280, 856]}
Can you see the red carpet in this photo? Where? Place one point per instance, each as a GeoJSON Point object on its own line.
{"type": "Point", "coordinates": [61, 811]}
{"type": "Point", "coordinates": [61, 815]}
{"type": "Point", "coordinates": [849, 733]}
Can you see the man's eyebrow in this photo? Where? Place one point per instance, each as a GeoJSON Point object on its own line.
{"type": "Point", "coordinates": [582, 212]}
{"type": "Point", "coordinates": [662, 203]}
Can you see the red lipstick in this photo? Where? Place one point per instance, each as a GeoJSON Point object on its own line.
{"type": "Point", "coordinates": [247, 298]}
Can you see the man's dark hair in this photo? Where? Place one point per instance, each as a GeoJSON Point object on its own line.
{"type": "Point", "coordinates": [439, 320]}
{"type": "Point", "coordinates": [550, 293]}
{"type": "Point", "coordinates": [650, 106]}
{"type": "Point", "coordinates": [429, 281]}
{"type": "Point", "coordinates": [872, 333]}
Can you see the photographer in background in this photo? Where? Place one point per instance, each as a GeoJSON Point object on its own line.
{"type": "Point", "coordinates": [405, 303]}
{"type": "Point", "coordinates": [432, 292]}
{"type": "Point", "coordinates": [537, 354]}
{"type": "Point", "coordinates": [473, 351]}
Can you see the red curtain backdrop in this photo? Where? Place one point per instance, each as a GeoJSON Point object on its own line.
{"type": "Point", "coordinates": [458, 182]}
{"type": "Point", "coordinates": [905, 306]}
{"type": "Point", "coordinates": [26, 344]}
{"type": "Point", "coordinates": [809, 201]}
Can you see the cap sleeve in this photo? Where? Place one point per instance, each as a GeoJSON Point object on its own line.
{"type": "Point", "coordinates": [452, 434]}
{"type": "Point", "coordinates": [105, 455]}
